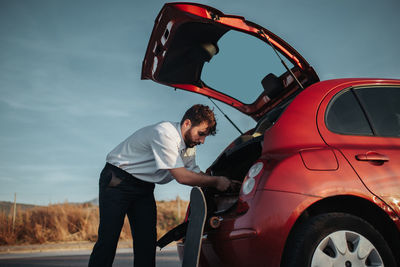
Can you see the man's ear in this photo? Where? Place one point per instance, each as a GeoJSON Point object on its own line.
{"type": "Point", "coordinates": [186, 126]}
{"type": "Point", "coordinates": [187, 123]}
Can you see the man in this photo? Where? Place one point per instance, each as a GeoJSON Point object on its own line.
{"type": "Point", "coordinates": [154, 154]}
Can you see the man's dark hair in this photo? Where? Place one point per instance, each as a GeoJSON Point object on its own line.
{"type": "Point", "coordinates": [201, 113]}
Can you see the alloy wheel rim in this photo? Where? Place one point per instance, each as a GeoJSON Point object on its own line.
{"type": "Point", "coordinates": [346, 249]}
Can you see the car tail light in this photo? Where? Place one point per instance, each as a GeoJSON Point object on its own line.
{"type": "Point", "coordinates": [249, 186]}
{"type": "Point", "coordinates": [252, 177]}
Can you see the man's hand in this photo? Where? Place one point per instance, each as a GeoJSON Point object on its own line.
{"type": "Point", "coordinates": [184, 176]}
{"type": "Point", "coordinates": [223, 183]}
{"type": "Point", "coordinates": [235, 185]}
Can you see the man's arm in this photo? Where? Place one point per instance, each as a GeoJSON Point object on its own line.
{"type": "Point", "coordinates": [184, 176]}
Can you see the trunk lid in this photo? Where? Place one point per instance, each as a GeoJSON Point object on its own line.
{"type": "Point", "coordinates": [188, 35]}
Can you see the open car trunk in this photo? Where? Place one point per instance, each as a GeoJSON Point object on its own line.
{"type": "Point", "coordinates": [233, 163]}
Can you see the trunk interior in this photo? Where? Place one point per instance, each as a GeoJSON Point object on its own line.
{"type": "Point", "coordinates": [235, 161]}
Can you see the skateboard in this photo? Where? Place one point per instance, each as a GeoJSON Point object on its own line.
{"type": "Point", "coordinates": [194, 232]}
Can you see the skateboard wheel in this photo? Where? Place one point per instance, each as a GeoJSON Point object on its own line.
{"type": "Point", "coordinates": [215, 222]}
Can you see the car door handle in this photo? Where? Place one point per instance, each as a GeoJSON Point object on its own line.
{"type": "Point", "coordinates": [372, 156]}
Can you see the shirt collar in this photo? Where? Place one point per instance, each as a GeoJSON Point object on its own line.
{"type": "Point", "coordinates": [182, 145]}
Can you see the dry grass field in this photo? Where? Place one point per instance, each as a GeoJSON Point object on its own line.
{"type": "Point", "coordinates": [73, 222]}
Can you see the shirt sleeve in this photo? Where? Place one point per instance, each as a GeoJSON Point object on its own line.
{"type": "Point", "coordinates": [165, 149]}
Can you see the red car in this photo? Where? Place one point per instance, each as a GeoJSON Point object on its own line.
{"type": "Point", "coordinates": [321, 169]}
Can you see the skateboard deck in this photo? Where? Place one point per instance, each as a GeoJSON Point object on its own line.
{"type": "Point", "coordinates": [194, 233]}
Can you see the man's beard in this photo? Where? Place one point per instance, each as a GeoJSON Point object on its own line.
{"type": "Point", "coordinates": [188, 139]}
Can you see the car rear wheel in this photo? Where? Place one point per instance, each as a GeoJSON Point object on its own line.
{"type": "Point", "coordinates": [337, 239]}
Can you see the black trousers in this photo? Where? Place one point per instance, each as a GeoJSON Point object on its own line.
{"type": "Point", "coordinates": [122, 194]}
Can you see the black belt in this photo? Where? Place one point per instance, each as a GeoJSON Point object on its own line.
{"type": "Point", "coordinates": [124, 175]}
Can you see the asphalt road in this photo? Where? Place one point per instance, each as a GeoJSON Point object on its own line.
{"type": "Point", "coordinates": [168, 257]}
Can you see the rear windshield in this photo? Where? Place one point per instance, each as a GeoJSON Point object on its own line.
{"type": "Point", "coordinates": [241, 64]}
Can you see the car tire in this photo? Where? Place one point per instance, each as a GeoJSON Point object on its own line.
{"type": "Point", "coordinates": [337, 239]}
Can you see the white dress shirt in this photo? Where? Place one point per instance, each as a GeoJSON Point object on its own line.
{"type": "Point", "coordinates": [150, 152]}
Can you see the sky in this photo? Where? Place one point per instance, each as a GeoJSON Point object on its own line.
{"type": "Point", "coordinates": [70, 87]}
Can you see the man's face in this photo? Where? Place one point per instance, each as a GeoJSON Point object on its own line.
{"type": "Point", "coordinates": [196, 135]}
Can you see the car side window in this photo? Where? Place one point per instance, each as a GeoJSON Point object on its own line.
{"type": "Point", "coordinates": [345, 116]}
{"type": "Point", "coordinates": [382, 105]}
